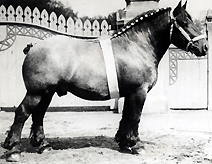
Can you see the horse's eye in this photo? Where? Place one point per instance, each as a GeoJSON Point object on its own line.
{"type": "Point", "coordinates": [183, 23]}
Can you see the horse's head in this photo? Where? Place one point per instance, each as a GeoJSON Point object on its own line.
{"type": "Point", "coordinates": [185, 35]}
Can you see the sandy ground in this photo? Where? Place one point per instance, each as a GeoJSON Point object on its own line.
{"type": "Point", "coordinates": [177, 137]}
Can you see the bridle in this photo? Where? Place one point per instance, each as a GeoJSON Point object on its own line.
{"type": "Point", "coordinates": [184, 33]}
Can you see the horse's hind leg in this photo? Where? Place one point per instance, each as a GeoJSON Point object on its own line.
{"type": "Point", "coordinates": [12, 141]}
{"type": "Point", "coordinates": [37, 132]}
{"type": "Point", "coordinates": [127, 136]}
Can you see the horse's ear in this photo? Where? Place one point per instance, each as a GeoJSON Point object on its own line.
{"type": "Point", "coordinates": [184, 6]}
{"type": "Point", "coordinates": [179, 4]}
{"type": "Point", "coordinates": [177, 10]}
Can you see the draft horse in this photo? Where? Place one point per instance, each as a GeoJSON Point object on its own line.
{"type": "Point", "coordinates": [62, 64]}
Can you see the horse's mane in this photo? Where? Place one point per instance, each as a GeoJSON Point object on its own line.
{"type": "Point", "coordinates": [138, 19]}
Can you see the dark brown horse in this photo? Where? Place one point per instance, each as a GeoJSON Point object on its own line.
{"type": "Point", "coordinates": [62, 64]}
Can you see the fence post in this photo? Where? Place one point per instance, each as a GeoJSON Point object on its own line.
{"type": "Point", "coordinates": [209, 32]}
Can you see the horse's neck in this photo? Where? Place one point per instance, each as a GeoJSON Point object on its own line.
{"type": "Point", "coordinates": [153, 36]}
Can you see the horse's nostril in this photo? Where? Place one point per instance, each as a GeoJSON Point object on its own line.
{"type": "Point", "coordinates": [205, 48]}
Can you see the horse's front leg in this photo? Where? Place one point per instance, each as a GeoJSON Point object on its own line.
{"type": "Point", "coordinates": [127, 136]}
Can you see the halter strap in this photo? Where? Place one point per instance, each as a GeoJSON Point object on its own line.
{"type": "Point", "coordinates": [185, 34]}
{"type": "Point", "coordinates": [111, 73]}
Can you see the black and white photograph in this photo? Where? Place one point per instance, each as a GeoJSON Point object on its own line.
{"type": "Point", "coordinates": [105, 81]}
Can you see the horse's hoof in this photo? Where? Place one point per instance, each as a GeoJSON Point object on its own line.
{"type": "Point", "coordinates": [137, 148]}
{"type": "Point", "coordinates": [13, 157]}
{"type": "Point", "coordinates": [125, 149]}
{"type": "Point", "coordinates": [134, 151]}
{"type": "Point", "coordinates": [47, 149]}
{"type": "Point", "coordinates": [44, 149]}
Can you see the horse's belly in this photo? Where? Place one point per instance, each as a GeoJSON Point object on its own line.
{"type": "Point", "coordinates": [85, 76]}
{"type": "Point", "coordinates": [89, 84]}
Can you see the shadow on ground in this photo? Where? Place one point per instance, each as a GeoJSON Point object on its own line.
{"type": "Point", "coordinates": [69, 143]}
{"type": "Point", "coordinates": [82, 142]}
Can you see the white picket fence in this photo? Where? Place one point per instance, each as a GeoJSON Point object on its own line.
{"type": "Point", "coordinates": [52, 22]}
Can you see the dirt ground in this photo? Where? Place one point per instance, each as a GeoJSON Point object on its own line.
{"type": "Point", "coordinates": [176, 137]}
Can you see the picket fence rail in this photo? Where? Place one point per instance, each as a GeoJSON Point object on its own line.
{"type": "Point", "coordinates": [52, 22]}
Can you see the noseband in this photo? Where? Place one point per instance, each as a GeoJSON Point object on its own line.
{"type": "Point", "coordinates": [185, 34]}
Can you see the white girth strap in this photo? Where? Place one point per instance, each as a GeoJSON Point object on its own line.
{"type": "Point", "coordinates": [110, 67]}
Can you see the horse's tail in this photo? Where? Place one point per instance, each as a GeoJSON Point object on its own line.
{"type": "Point", "coordinates": [27, 48]}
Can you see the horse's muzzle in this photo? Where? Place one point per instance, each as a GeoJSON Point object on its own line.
{"type": "Point", "coordinates": [205, 48]}
{"type": "Point", "coordinates": [199, 51]}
